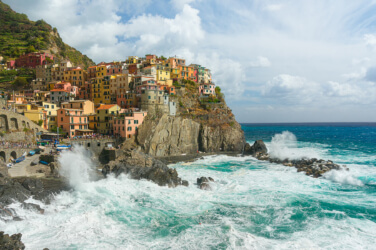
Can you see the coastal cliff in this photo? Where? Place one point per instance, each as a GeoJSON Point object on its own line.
{"type": "Point", "coordinates": [199, 125]}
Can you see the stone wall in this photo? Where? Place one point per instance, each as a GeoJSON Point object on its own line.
{"type": "Point", "coordinates": [7, 153]}
{"type": "Point", "coordinates": [13, 122]}
{"type": "Point", "coordinates": [96, 146]}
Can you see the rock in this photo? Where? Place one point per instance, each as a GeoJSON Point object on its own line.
{"type": "Point", "coordinates": [257, 148]}
{"type": "Point", "coordinates": [142, 166]}
{"type": "Point", "coordinates": [33, 185]}
{"type": "Point", "coordinates": [12, 242]}
{"type": "Point", "coordinates": [173, 136]}
{"type": "Point", "coordinates": [33, 207]}
{"type": "Point", "coordinates": [312, 167]}
{"type": "Point", "coordinates": [204, 183]}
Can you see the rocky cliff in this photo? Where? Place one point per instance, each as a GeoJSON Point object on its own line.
{"type": "Point", "coordinates": [198, 126]}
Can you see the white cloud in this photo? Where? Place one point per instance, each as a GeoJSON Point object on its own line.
{"type": "Point", "coordinates": [370, 40]}
{"type": "Point", "coordinates": [323, 48]}
{"type": "Point", "coordinates": [273, 7]}
{"type": "Point", "coordinates": [179, 4]}
{"type": "Point", "coordinates": [261, 62]}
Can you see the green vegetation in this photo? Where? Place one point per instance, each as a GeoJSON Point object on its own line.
{"type": "Point", "coordinates": [11, 75]}
{"type": "Point", "coordinates": [19, 83]}
{"type": "Point", "coordinates": [19, 35]}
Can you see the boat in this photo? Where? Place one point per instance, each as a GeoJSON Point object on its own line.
{"type": "Point", "coordinates": [18, 160]}
{"type": "Point", "coordinates": [37, 150]}
{"type": "Point", "coordinates": [43, 162]}
{"type": "Point", "coordinates": [9, 165]}
{"type": "Point", "coordinates": [63, 147]}
{"type": "Point", "coordinates": [31, 153]}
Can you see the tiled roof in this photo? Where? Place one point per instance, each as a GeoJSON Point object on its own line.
{"type": "Point", "coordinates": [108, 106]}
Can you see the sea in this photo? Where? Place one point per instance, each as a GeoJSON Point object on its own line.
{"type": "Point", "coordinates": [251, 205]}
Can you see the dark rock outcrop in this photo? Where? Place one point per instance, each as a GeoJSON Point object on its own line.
{"type": "Point", "coordinates": [312, 167]}
{"type": "Point", "coordinates": [204, 183]}
{"type": "Point", "coordinates": [142, 166]}
{"type": "Point", "coordinates": [12, 242]}
{"type": "Point", "coordinates": [257, 148]}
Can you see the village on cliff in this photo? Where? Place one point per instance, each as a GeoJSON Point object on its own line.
{"type": "Point", "coordinates": [107, 99]}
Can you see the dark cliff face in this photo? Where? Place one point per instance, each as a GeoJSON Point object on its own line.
{"type": "Point", "coordinates": [196, 127]}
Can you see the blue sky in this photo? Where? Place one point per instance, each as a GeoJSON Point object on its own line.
{"type": "Point", "coordinates": [277, 61]}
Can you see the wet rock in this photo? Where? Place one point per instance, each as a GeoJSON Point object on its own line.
{"type": "Point", "coordinates": [204, 183]}
{"type": "Point", "coordinates": [33, 185]}
{"type": "Point", "coordinates": [12, 242]}
{"type": "Point", "coordinates": [32, 206]}
{"type": "Point", "coordinates": [257, 148]}
{"type": "Point", "coordinates": [142, 166]}
{"type": "Point", "coordinates": [312, 167]}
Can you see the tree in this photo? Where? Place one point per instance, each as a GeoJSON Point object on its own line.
{"type": "Point", "coordinates": [31, 49]}
{"type": "Point", "coordinates": [20, 82]}
{"type": "Point", "coordinates": [217, 90]}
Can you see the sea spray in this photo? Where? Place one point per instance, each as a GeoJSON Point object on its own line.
{"type": "Point", "coordinates": [285, 146]}
{"type": "Point", "coordinates": [77, 166]}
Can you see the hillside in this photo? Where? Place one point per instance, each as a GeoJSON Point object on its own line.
{"type": "Point", "coordinates": [19, 35]}
{"type": "Point", "coordinates": [201, 124]}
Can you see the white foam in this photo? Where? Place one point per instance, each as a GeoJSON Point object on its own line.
{"type": "Point", "coordinates": [77, 166]}
{"type": "Point", "coordinates": [122, 213]}
{"type": "Point", "coordinates": [343, 177]}
{"type": "Point", "coordinates": [285, 146]}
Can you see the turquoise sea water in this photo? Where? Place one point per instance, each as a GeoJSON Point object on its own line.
{"type": "Point", "coordinates": [252, 204]}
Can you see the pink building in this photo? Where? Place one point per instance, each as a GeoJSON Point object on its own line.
{"type": "Point", "coordinates": [127, 124]}
{"type": "Point", "coordinates": [31, 60]}
{"type": "Point", "coordinates": [11, 64]}
{"type": "Point", "coordinates": [207, 89]}
{"type": "Point", "coordinates": [73, 122]}
{"type": "Point", "coordinates": [149, 84]}
{"type": "Point", "coordinates": [67, 86]}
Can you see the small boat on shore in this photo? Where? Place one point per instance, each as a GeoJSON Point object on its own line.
{"type": "Point", "coordinates": [63, 147]}
{"type": "Point", "coordinates": [31, 153]}
{"type": "Point", "coordinates": [18, 160]}
{"type": "Point", "coordinates": [43, 162]}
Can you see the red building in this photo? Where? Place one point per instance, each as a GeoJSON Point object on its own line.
{"type": "Point", "coordinates": [11, 64]}
{"type": "Point", "coordinates": [32, 60]}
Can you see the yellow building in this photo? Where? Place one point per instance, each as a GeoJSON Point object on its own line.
{"type": "Point", "coordinates": [76, 76]}
{"type": "Point", "coordinates": [132, 59]}
{"type": "Point", "coordinates": [37, 116]}
{"type": "Point", "coordinates": [175, 73]}
{"type": "Point", "coordinates": [105, 114]}
{"type": "Point", "coordinates": [119, 84]}
{"type": "Point", "coordinates": [101, 90]}
{"type": "Point", "coordinates": [163, 73]}
{"type": "Point", "coordinates": [51, 113]}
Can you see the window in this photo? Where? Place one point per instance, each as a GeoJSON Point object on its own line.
{"type": "Point", "coordinates": [129, 129]}
{"type": "Point", "coordinates": [72, 126]}
{"type": "Point", "coordinates": [135, 121]}
{"type": "Point", "coordinates": [61, 118]}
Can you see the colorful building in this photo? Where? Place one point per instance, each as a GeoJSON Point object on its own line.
{"type": "Point", "coordinates": [207, 89]}
{"type": "Point", "coordinates": [73, 122]}
{"type": "Point", "coordinates": [126, 125]}
{"type": "Point", "coordinates": [31, 60]}
{"type": "Point", "coordinates": [105, 115]}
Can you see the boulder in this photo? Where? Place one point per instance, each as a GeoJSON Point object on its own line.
{"type": "Point", "coordinates": [33, 185]}
{"type": "Point", "coordinates": [142, 166]}
{"type": "Point", "coordinates": [257, 148]}
{"type": "Point", "coordinates": [12, 242]}
{"type": "Point", "coordinates": [204, 182]}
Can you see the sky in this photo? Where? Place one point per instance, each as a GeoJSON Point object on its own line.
{"type": "Point", "coordinates": [275, 60]}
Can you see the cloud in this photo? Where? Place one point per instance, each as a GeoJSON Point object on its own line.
{"type": "Point", "coordinates": [370, 40]}
{"type": "Point", "coordinates": [292, 54]}
{"type": "Point", "coordinates": [273, 7]}
{"type": "Point", "coordinates": [179, 4]}
{"type": "Point", "coordinates": [289, 90]}
{"type": "Point", "coordinates": [261, 62]}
